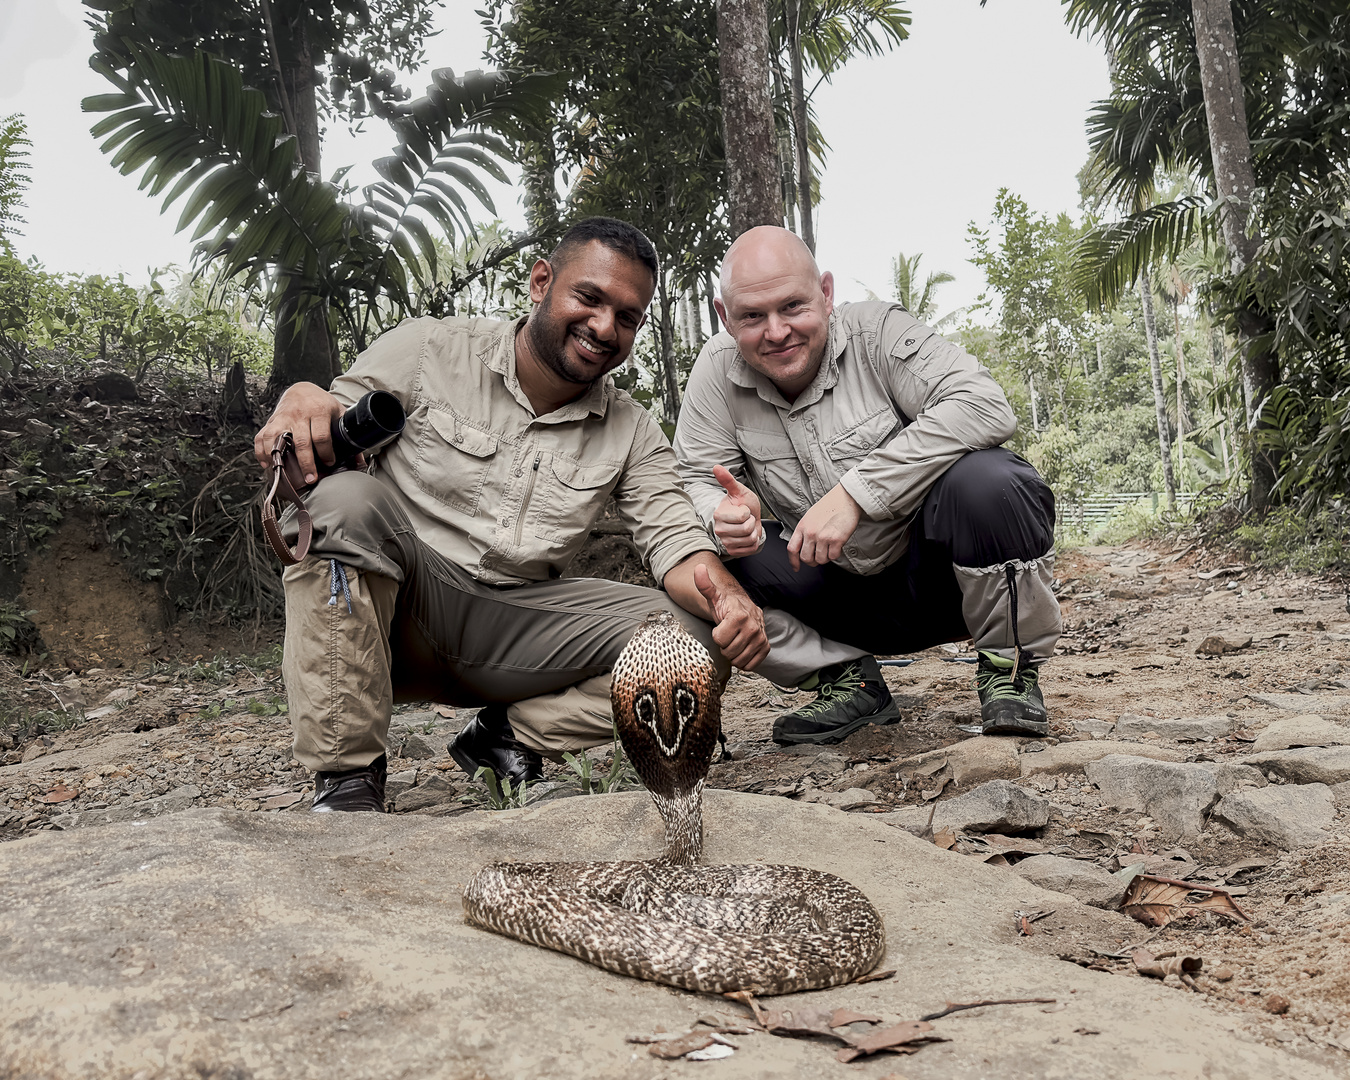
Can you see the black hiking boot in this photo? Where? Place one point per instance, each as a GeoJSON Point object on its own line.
{"type": "Point", "coordinates": [1010, 702]}
{"type": "Point", "coordinates": [354, 790]}
{"type": "Point", "coordinates": [848, 696]}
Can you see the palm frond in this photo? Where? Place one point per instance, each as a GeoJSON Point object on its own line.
{"type": "Point", "coordinates": [1108, 258]}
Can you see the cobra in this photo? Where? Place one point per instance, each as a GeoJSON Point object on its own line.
{"type": "Point", "coordinates": [675, 920]}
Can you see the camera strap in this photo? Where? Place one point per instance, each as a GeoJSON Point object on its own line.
{"type": "Point", "coordinates": [283, 454]}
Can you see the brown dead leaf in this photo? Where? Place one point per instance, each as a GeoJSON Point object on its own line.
{"type": "Point", "coordinates": [280, 802]}
{"type": "Point", "coordinates": [844, 1017]}
{"type": "Point", "coordinates": [677, 1048]}
{"type": "Point", "coordinates": [904, 1038]}
{"type": "Point", "coordinates": [1156, 901]}
{"type": "Point", "coordinates": [1160, 967]}
{"type": "Point", "coordinates": [945, 839]}
{"type": "Point", "coordinates": [875, 976]}
{"type": "Point", "coordinates": [801, 1022]}
{"type": "Point", "coordinates": [60, 794]}
{"type": "Point", "coordinates": [445, 712]}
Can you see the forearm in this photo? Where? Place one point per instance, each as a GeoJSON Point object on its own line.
{"type": "Point", "coordinates": [679, 583]}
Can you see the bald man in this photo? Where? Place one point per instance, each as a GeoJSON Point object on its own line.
{"type": "Point", "coordinates": [898, 521]}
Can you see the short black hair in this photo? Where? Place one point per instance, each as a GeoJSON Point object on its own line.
{"type": "Point", "coordinates": [618, 236]}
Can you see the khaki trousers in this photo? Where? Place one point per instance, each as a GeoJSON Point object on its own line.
{"type": "Point", "coordinates": [396, 621]}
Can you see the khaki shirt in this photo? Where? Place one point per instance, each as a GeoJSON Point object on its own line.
{"type": "Point", "coordinates": [893, 406]}
{"type": "Point", "coordinates": [508, 495]}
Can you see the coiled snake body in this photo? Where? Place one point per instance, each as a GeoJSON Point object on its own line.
{"type": "Point", "coordinates": [765, 929]}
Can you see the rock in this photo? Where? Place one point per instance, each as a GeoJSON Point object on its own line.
{"type": "Point", "coordinates": [848, 799]}
{"type": "Point", "coordinates": [998, 806]}
{"type": "Point", "coordinates": [1176, 796]}
{"type": "Point", "coordinates": [1341, 793]}
{"type": "Point", "coordinates": [1131, 725]}
{"type": "Point", "coordinates": [1230, 777]}
{"type": "Point", "coordinates": [249, 952]}
{"type": "Point", "coordinates": [1097, 729]}
{"type": "Point", "coordinates": [399, 782]}
{"type": "Point", "coordinates": [972, 761]}
{"type": "Point", "coordinates": [1320, 704]}
{"type": "Point", "coordinates": [175, 801]}
{"type": "Point", "coordinates": [1288, 816]}
{"type": "Point", "coordinates": [34, 751]}
{"type": "Point", "coordinates": [1309, 765]}
{"type": "Point", "coordinates": [110, 386]}
{"type": "Point", "coordinates": [435, 790]}
{"type": "Point", "coordinates": [1307, 730]}
{"type": "Point", "coordinates": [34, 426]}
{"type": "Point", "coordinates": [1071, 757]}
{"type": "Point", "coordinates": [418, 748]}
{"type": "Point", "coordinates": [1085, 881]}
{"type": "Point", "coordinates": [1214, 645]}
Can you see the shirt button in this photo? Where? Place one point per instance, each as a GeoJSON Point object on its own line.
{"type": "Point", "coordinates": [810, 468]}
{"type": "Point", "coordinates": [792, 417]}
{"type": "Point", "coordinates": [850, 551]}
{"type": "Point", "coordinates": [458, 439]}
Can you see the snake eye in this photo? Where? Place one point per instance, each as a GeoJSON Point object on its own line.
{"type": "Point", "coordinates": [686, 704]}
{"type": "Point", "coordinates": [645, 707]}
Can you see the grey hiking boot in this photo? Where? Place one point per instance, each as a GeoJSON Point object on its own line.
{"type": "Point", "coordinates": [847, 697]}
{"type": "Point", "coordinates": [1010, 696]}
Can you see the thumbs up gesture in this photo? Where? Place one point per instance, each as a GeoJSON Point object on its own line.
{"type": "Point", "coordinates": [736, 520]}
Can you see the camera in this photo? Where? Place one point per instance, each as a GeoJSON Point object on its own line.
{"type": "Point", "coordinates": [374, 421]}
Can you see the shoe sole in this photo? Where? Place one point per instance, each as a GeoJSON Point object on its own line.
{"type": "Point", "coordinates": [1016, 727]}
{"type": "Point", "coordinates": [464, 761]}
{"type": "Point", "coordinates": [888, 715]}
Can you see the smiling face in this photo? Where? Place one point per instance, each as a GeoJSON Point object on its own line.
{"type": "Point", "coordinates": [588, 310]}
{"type": "Point", "coordinates": [776, 303]}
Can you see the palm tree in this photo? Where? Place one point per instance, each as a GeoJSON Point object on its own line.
{"type": "Point", "coordinates": [190, 125]}
{"type": "Point", "coordinates": [921, 303]}
{"type": "Point", "coordinates": [823, 35]}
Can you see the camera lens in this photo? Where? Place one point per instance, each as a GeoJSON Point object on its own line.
{"type": "Point", "coordinates": [369, 424]}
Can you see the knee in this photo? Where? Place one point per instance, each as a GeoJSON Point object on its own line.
{"type": "Point", "coordinates": [350, 498]}
{"type": "Point", "coordinates": [991, 506]}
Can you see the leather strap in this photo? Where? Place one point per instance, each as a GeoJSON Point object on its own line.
{"type": "Point", "coordinates": [283, 487]}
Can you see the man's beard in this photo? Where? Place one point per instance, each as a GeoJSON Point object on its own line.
{"type": "Point", "coordinates": [548, 339]}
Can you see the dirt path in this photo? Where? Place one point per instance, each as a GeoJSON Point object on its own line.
{"type": "Point", "coordinates": [1173, 670]}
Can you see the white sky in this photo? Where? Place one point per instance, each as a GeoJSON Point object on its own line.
{"type": "Point", "coordinates": [922, 138]}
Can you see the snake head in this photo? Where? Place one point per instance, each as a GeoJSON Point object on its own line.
{"type": "Point", "coordinates": [667, 705]}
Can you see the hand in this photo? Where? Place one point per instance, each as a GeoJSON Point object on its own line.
{"type": "Point", "coordinates": [820, 536]}
{"type": "Point", "coordinates": [738, 626]}
{"type": "Point", "coordinates": [736, 521]}
{"type": "Point", "coordinates": [307, 412]}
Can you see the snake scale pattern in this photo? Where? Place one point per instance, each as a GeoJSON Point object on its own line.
{"type": "Point", "coordinates": [712, 929]}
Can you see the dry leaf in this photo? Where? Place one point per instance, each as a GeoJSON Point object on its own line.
{"type": "Point", "coordinates": [445, 712]}
{"type": "Point", "coordinates": [875, 976]}
{"type": "Point", "coordinates": [1222, 571]}
{"type": "Point", "coordinates": [711, 1053]}
{"type": "Point", "coordinates": [60, 794]}
{"type": "Point", "coordinates": [904, 1038]}
{"type": "Point", "coordinates": [1156, 901]}
{"type": "Point", "coordinates": [1160, 967]}
{"type": "Point", "coordinates": [280, 802]}
{"type": "Point", "coordinates": [945, 839]}
{"type": "Point", "coordinates": [844, 1017]}
{"type": "Point", "coordinates": [671, 1049]}
{"type": "Point", "coordinates": [801, 1022]}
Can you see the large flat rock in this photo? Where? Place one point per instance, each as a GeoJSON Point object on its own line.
{"type": "Point", "coordinates": [221, 943]}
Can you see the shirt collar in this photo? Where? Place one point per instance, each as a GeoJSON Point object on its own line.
{"type": "Point", "coordinates": [742, 374]}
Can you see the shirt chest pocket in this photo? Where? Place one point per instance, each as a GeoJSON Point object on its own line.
{"type": "Point", "coordinates": [454, 460]}
{"type": "Point", "coordinates": [847, 449]}
{"type": "Point", "coordinates": [778, 474]}
{"type": "Point", "coordinates": [573, 495]}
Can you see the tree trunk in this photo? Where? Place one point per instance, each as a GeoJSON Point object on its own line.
{"type": "Point", "coordinates": [1218, 361]}
{"type": "Point", "coordinates": [670, 372]}
{"type": "Point", "coordinates": [1031, 392]}
{"type": "Point", "coordinates": [693, 321]}
{"type": "Point", "coordinates": [304, 350]}
{"type": "Point", "coordinates": [709, 294]}
{"type": "Point", "coordinates": [754, 195]}
{"type": "Point", "coordinates": [1159, 398]}
{"type": "Point", "coordinates": [1230, 147]}
{"type": "Point", "coordinates": [799, 125]}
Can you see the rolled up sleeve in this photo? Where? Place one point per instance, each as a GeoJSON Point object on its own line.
{"type": "Point", "coordinates": [955, 405]}
{"type": "Point", "coordinates": [653, 505]}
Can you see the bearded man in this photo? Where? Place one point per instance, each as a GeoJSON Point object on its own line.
{"type": "Point", "coordinates": [437, 573]}
{"type": "Point", "coordinates": [899, 522]}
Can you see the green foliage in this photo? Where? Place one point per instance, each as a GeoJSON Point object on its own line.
{"type": "Point", "coordinates": [14, 170]}
{"type": "Point", "coordinates": [17, 632]}
{"type": "Point", "coordinates": [619, 777]}
{"type": "Point", "coordinates": [1290, 538]}
{"type": "Point", "coordinates": [501, 795]}
{"type": "Point", "coordinates": [919, 302]}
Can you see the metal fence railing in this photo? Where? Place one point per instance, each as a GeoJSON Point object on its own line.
{"type": "Point", "coordinates": [1097, 509]}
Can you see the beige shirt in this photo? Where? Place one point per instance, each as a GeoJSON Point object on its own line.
{"type": "Point", "coordinates": [893, 406]}
{"type": "Point", "coordinates": [508, 495]}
